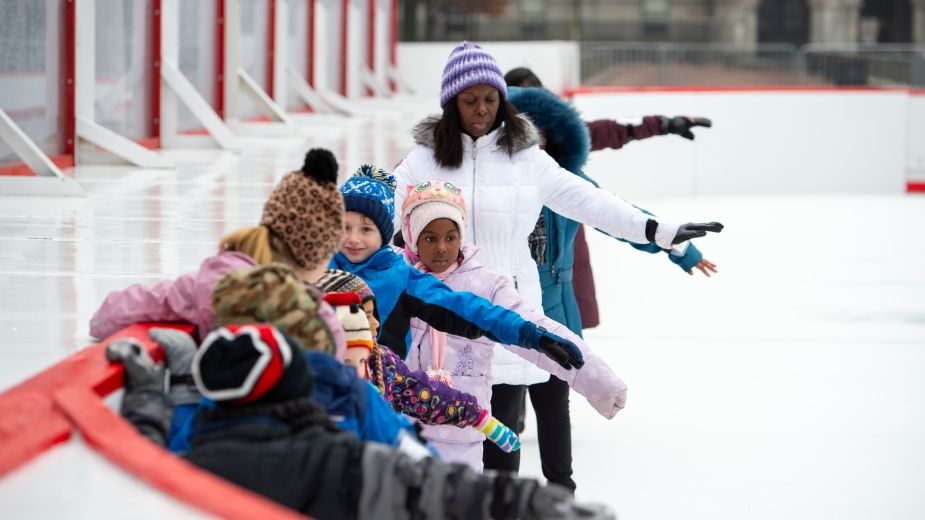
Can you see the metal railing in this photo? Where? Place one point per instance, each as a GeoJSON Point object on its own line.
{"type": "Point", "coordinates": [765, 64]}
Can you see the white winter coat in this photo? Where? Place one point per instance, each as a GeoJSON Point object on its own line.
{"type": "Point", "coordinates": [504, 195]}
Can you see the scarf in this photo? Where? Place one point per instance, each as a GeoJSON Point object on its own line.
{"type": "Point", "coordinates": [437, 337]}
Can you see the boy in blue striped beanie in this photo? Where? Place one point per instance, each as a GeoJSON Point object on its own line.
{"type": "Point", "coordinates": [370, 196]}
{"type": "Point", "coordinates": [402, 292]}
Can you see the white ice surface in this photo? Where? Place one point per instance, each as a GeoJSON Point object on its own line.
{"type": "Point", "coordinates": [73, 482]}
{"type": "Point", "coordinates": [787, 386]}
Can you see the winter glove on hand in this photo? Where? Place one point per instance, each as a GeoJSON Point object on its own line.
{"type": "Point", "coordinates": [140, 370]}
{"type": "Point", "coordinates": [681, 125]}
{"type": "Point", "coordinates": [497, 432]}
{"type": "Point", "coordinates": [666, 234]}
{"type": "Point", "coordinates": [691, 230]}
{"type": "Point", "coordinates": [179, 349]}
{"type": "Point", "coordinates": [560, 350]}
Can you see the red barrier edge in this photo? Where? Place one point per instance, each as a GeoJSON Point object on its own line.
{"type": "Point", "coordinates": [42, 432]}
{"type": "Point", "coordinates": [117, 440]}
{"type": "Point", "coordinates": [584, 89]}
{"type": "Point", "coordinates": [29, 422]}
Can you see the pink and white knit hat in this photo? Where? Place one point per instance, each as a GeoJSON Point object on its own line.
{"type": "Point", "coordinates": [427, 202]}
{"type": "Point", "coordinates": [469, 65]}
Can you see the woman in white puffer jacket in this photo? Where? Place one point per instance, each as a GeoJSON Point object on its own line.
{"type": "Point", "coordinates": [483, 146]}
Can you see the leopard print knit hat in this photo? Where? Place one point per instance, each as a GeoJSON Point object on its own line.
{"type": "Point", "coordinates": [306, 210]}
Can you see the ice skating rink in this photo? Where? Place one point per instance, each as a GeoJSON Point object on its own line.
{"type": "Point", "coordinates": [788, 386]}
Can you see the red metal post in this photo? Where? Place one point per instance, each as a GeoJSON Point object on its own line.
{"type": "Point", "coordinates": [156, 72]}
{"type": "Point", "coordinates": [220, 58]}
{"type": "Point", "coordinates": [371, 41]}
{"type": "Point", "coordinates": [393, 44]}
{"type": "Point", "coordinates": [311, 43]}
{"type": "Point", "coordinates": [69, 117]}
{"type": "Point", "coordinates": [344, 39]}
{"type": "Point", "coordinates": [271, 47]}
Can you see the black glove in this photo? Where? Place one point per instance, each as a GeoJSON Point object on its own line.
{"type": "Point", "coordinates": [140, 370]}
{"type": "Point", "coordinates": [691, 230]}
{"type": "Point", "coordinates": [560, 350]}
{"type": "Point", "coordinates": [681, 125]}
{"type": "Point", "coordinates": [659, 232]}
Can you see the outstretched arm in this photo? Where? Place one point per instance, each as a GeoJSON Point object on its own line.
{"type": "Point", "coordinates": [608, 133]}
{"type": "Point", "coordinates": [579, 200]}
{"type": "Point", "coordinates": [467, 315]}
{"type": "Point", "coordinates": [415, 394]}
{"type": "Point", "coordinates": [595, 380]}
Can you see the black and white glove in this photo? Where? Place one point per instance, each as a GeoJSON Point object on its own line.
{"type": "Point", "coordinates": [681, 125]}
{"type": "Point", "coordinates": [667, 234]}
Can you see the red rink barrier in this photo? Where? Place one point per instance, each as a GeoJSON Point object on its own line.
{"type": "Point", "coordinates": [42, 412]}
{"type": "Point", "coordinates": [117, 440]}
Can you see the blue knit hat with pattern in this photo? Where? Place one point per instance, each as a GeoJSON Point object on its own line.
{"type": "Point", "coordinates": [371, 192]}
{"type": "Point", "coordinates": [470, 65]}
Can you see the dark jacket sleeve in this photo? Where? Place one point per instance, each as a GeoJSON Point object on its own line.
{"type": "Point", "coordinates": [458, 313]}
{"type": "Point", "coordinates": [607, 133]}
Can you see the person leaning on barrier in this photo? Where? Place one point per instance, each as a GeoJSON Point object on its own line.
{"type": "Point", "coordinates": [265, 435]}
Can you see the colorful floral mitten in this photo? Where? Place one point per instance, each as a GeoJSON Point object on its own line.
{"type": "Point", "coordinates": [497, 432]}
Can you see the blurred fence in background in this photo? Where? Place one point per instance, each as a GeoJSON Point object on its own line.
{"type": "Point", "coordinates": [639, 64]}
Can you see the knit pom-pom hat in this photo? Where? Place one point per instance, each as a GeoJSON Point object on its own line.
{"type": "Point", "coordinates": [426, 202]}
{"type": "Point", "coordinates": [247, 364]}
{"type": "Point", "coordinates": [352, 318]}
{"type": "Point", "coordinates": [370, 191]}
{"type": "Point", "coordinates": [469, 65]}
{"type": "Point", "coordinates": [306, 210]}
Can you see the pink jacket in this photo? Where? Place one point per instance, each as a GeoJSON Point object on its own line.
{"type": "Point", "coordinates": [188, 298]}
{"type": "Point", "coordinates": [469, 361]}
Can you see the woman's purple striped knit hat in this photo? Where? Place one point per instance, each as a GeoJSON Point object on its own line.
{"type": "Point", "coordinates": [469, 65]}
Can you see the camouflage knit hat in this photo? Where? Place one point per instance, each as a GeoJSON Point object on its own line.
{"type": "Point", "coordinates": [306, 210]}
{"type": "Point", "coordinates": [272, 294]}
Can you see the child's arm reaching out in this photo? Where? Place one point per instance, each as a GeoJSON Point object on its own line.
{"type": "Point", "coordinates": [414, 394]}
{"type": "Point", "coordinates": [595, 380]}
{"type": "Point", "coordinates": [469, 316]}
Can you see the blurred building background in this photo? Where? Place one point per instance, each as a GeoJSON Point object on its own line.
{"type": "Point", "coordinates": [706, 42]}
{"type": "Point", "coordinates": [746, 22]}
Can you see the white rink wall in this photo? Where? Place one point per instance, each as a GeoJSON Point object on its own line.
{"type": "Point", "coordinates": [765, 142]}
{"type": "Point", "coordinates": [915, 153]}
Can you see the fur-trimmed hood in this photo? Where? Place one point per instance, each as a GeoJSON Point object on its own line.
{"type": "Point", "coordinates": [567, 138]}
{"type": "Point", "coordinates": [423, 132]}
